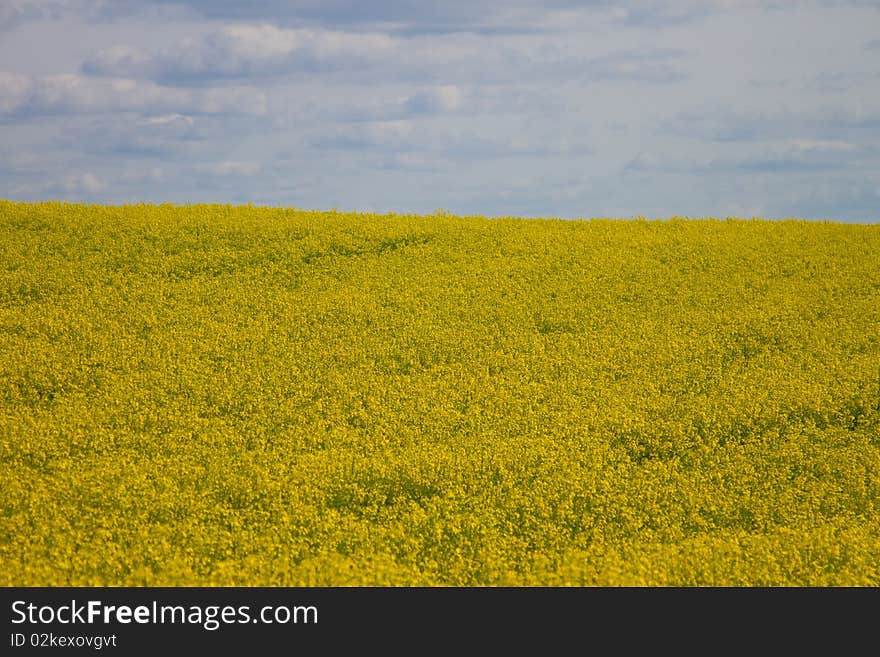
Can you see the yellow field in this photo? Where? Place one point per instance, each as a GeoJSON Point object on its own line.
{"type": "Point", "coordinates": [216, 395]}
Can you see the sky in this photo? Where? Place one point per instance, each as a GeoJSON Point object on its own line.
{"type": "Point", "coordinates": [551, 108]}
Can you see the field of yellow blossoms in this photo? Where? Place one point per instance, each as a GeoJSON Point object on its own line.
{"type": "Point", "coordinates": [219, 395]}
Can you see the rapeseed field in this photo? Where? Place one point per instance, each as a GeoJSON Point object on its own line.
{"type": "Point", "coordinates": [219, 395]}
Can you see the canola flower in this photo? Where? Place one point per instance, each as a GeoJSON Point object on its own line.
{"type": "Point", "coordinates": [219, 395]}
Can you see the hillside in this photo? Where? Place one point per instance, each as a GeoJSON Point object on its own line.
{"type": "Point", "coordinates": [253, 396]}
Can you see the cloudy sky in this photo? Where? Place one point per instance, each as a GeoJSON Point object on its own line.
{"type": "Point", "coordinates": [556, 108]}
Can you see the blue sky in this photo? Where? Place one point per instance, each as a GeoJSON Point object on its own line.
{"type": "Point", "coordinates": [651, 108]}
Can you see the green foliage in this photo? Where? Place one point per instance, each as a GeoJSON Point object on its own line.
{"type": "Point", "coordinates": [216, 395]}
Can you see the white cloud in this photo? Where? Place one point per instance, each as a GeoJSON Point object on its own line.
{"type": "Point", "coordinates": [780, 157]}
{"type": "Point", "coordinates": [391, 139]}
{"type": "Point", "coordinates": [822, 146]}
{"type": "Point", "coordinates": [230, 168]}
{"type": "Point", "coordinates": [176, 121]}
{"type": "Point", "coordinates": [446, 98]}
{"type": "Point", "coordinates": [15, 90]}
{"type": "Point", "coordinates": [83, 182]}
{"type": "Point", "coordinates": [16, 12]}
{"type": "Point", "coordinates": [445, 62]}
{"type": "Point", "coordinates": [392, 135]}
{"type": "Point", "coordinates": [243, 51]}
{"type": "Point", "coordinates": [440, 100]}
{"type": "Point", "coordinates": [150, 175]}
{"type": "Point", "coordinates": [837, 82]}
{"type": "Point", "coordinates": [162, 135]}
{"type": "Point", "coordinates": [650, 65]}
{"type": "Point", "coordinates": [119, 61]}
{"type": "Point", "coordinates": [825, 125]}
{"type": "Point", "coordinates": [73, 93]}
{"type": "Point", "coordinates": [13, 12]}
{"type": "Point", "coordinates": [25, 162]}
